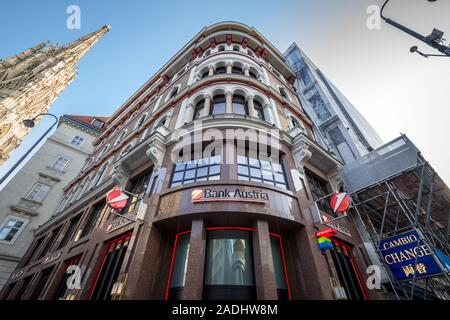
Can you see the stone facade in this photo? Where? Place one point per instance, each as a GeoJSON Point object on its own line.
{"type": "Point", "coordinates": [56, 163]}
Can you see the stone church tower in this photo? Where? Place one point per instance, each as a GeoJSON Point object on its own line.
{"type": "Point", "coordinates": [32, 80]}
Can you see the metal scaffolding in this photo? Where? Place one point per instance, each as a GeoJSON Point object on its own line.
{"type": "Point", "coordinates": [395, 190]}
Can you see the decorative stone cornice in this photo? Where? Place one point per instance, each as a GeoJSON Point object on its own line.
{"type": "Point", "coordinates": [120, 175]}
{"type": "Point", "coordinates": [301, 152]}
{"type": "Point", "coordinates": [157, 147]}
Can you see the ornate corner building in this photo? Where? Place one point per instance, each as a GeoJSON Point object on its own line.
{"type": "Point", "coordinates": [32, 80]}
{"type": "Point", "coordinates": [227, 185]}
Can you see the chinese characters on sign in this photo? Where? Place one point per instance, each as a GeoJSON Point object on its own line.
{"type": "Point", "coordinates": [408, 257]}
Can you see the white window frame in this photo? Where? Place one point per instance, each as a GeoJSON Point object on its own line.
{"type": "Point", "coordinates": [120, 137]}
{"type": "Point", "coordinates": [141, 121]}
{"type": "Point", "coordinates": [100, 122]}
{"type": "Point", "coordinates": [22, 227]}
{"type": "Point", "coordinates": [56, 161]}
{"type": "Point", "coordinates": [42, 198]}
{"type": "Point", "coordinates": [76, 144]}
{"type": "Point", "coordinates": [87, 163]}
{"type": "Point", "coordinates": [103, 152]}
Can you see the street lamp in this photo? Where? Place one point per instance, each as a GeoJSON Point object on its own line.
{"type": "Point", "coordinates": [29, 123]}
{"type": "Point", "coordinates": [434, 40]}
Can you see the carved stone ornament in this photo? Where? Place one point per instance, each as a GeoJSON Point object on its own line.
{"type": "Point", "coordinates": [120, 175]}
{"type": "Point", "coordinates": [301, 154]}
{"type": "Point", "coordinates": [156, 150]}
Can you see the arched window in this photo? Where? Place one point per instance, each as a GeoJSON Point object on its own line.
{"type": "Point", "coordinates": [236, 48]}
{"type": "Point", "coordinates": [237, 70]}
{"type": "Point", "coordinates": [249, 52]}
{"type": "Point", "coordinates": [103, 152]}
{"type": "Point", "coordinates": [283, 92]}
{"type": "Point", "coordinates": [259, 110]}
{"type": "Point", "coordinates": [239, 105]}
{"type": "Point", "coordinates": [205, 74]}
{"type": "Point", "coordinates": [141, 121]}
{"type": "Point", "coordinates": [207, 52]}
{"type": "Point", "coordinates": [294, 122]}
{"type": "Point", "coordinates": [199, 110]}
{"type": "Point", "coordinates": [252, 74]}
{"type": "Point", "coordinates": [219, 104]}
{"type": "Point", "coordinates": [174, 93]}
{"type": "Point", "coordinates": [221, 48]}
{"type": "Point", "coordinates": [98, 176]}
{"type": "Point", "coordinates": [162, 122]}
{"type": "Point", "coordinates": [121, 136]}
{"type": "Point", "coordinates": [220, 70]}
{"type": "Point", "coordinates": [87, 163]}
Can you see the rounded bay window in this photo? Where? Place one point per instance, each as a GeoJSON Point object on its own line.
{"type": "Point", "coordinates": [259, 110]}
{"type": "Point", "coordinates": [220, 69]}
{"type": "Point", "coordinates": [239, 105]}
{"type": "Point", "coordinates": [199, 110]}
{"type": "Point", "coordinates": [218, 104]}
{"type": "Point", "coordinates": [237, 69]}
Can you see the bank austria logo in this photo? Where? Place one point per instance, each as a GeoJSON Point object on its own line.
{"type": "Point", "coordinates": [204, 195]}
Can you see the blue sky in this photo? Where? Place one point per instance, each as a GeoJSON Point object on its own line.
{"type": "Point", "coordinates": [373, 68]}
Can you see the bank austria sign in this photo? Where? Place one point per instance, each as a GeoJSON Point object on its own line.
{"type": "Point", "coordinates": [235, 194]}
{"type": "Point", "coordinates": [407, 257]}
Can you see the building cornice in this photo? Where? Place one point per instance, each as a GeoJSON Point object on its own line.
{"type": "Point", "coordinates": [185, 52]}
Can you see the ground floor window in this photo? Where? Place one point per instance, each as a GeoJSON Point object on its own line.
{"type": "Point", "coordinates": [178, 266]}
{"type": "Point", "coordinates": [109, 268]}
{"type": "Point", "coordinates": [41, 284]}
{"type": "Point", "coordinates": [348, 272]}
{"type": "Point", "coordinates": [23, 288]}
{"type": "Point", "coordinates": [229, 266]}
{"type": "Point", "coordinates": [62, 288]}
{"type": "Point", "coordinates": [279, 266]}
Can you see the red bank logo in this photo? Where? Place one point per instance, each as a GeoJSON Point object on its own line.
{"type": "Point", "coordinates": [197, 195]}
{"type": "Point", "coordinates": [340, 202]}
{"type": "Point", "coordinates": [116, 199]}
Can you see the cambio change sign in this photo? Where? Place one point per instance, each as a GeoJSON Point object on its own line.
{"type": "Point", "coordinates": [406, 256]}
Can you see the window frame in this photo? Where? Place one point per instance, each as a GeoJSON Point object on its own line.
{"type": "Point", "coordinates": [97, 123]}
{"type": "Point", "coordinates": [17, 233]}
{"type": "Point", "coordinates": [40, 200]}
{"type": "Point", "coordinates": [214, 102]}
{"type": "Point", "coordinates": [199, 108]}
{"type": "Point", "coordinates": [75, 140]}
{"type": "Point", "coordinates": [196, 165]}
{"type": "Point", "coordinates": [234, 101]}
{"type": "Point", "coordinates": [314, 181]}
{"type": "Point", "coordinates": [259, 167]}
{"type": "Point", "coordinates": [56, 161]}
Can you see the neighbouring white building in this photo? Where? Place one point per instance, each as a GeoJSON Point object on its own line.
{"type": "Point", "coordinates": [30, 198]}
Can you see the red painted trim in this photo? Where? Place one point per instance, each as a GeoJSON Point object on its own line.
{"type": "Point", "coordinates": [284, 264]}
{"type": "Point", "coordinates": [172, 261]}
{"type": "Point", "coordinates": [108, 246]}
{"type": "Point", "coordinates": [225, 228]}
{"type": "Point", "coordinates": [349, 252]}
